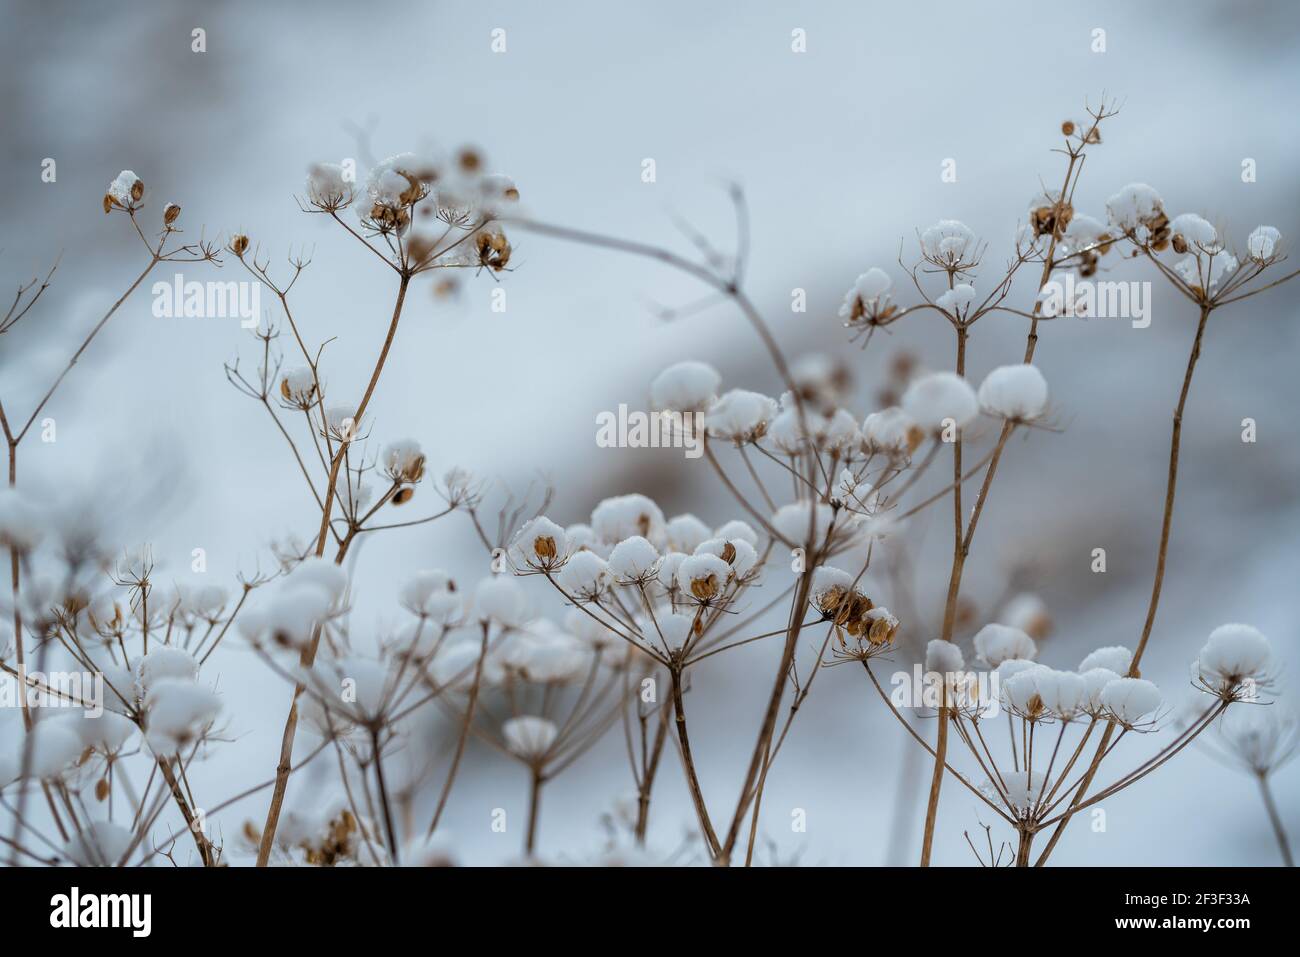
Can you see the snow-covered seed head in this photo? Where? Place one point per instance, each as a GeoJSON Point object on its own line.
{"type": "Point", "coordinates": [529, 737]}
{"type": "Point", "coordinates": [1234, 662]}
{"type": "Point", "coordinates": [298, 388]}
{"type": "Point", "coordinates": [1115, 658]}
{"type": "Point", "coordinates": [585, 576]}
{"type": "Point", "coordinates": [1048, 213]}
{"type": "Point", "coordinates": [741, 416]}
{"type": "Point", "coordinates": [958, 300]}
{"type": "Point", "coordinates": [686, 532]}
{"type": "Point", "coordinates": [1030, 614]}
{"type": "Point", "coordinates": [688, 386]}
{"type": "Point", "coordinates": [869, 300]}
{"type": "Point", "coordinates": [891, 432]}
{"type": "Point", "coordinates": [1017, 393]}
{"type": "Point", "coordinates": [1139, 212]}
{"type": "Point", "coordinates": [404, 461]}
{"type": "Point", "coordinates": [633, 560]}
{"type": "Point", "coordinates": [944, 657]}
{"type": "Point", "coordinates": [933, 399]}
{"type": "Point", "coordinates": [623, 516]}
{"type": "Point", "coordinates": [431, 594]}
{"type": "Point", "coordinates": [541, 544]}
{"type": "Point", "coordinates": [328, 187]}
{"type": "Point", "coordinates": [703, 577]}
{"type": "Point", "coordinates": [1191, 233]}
{"type": "Point", "coordinates": [1129, 700]}
{"type": "Point", "coordinates": [998, 643]}
{"type": "Point", "coordinates": [171, 213]}
{"type": "Point", "coordinates": [500, 599]}
{"type": "Point", "coordinates": [124, 192]}
{"type": "Point", "coordinates": [1262, 245]}
{"type": "Point", "coordinates": [1095, 681]}
{"type": "Point", "coordinates": [949, 244]}
{"type": "Point", "coordinates": [238, 245]}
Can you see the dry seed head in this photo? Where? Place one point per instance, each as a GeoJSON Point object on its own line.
{"type": "Point", "coordinates": [544, 547]}
{"type": "Point", "coordinates": [171, 212]}
{"type": "Point", "coordinates": [403, 495]}
{"type": "Point", "coordinates": [1068, 127]}
{"type": "Point", "coordinates": [705, 589]}
{"type": "Point", "coordinates": [239, 245]}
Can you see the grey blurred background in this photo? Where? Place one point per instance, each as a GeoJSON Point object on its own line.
{"type": "Point", "coordinates": [839, 151]}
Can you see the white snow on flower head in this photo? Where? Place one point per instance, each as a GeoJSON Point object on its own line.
{"type": "Point", "coordinates": [341, 423]}
{"type": "Point", "coordinates": [431, 594]}
{"type": "Point", "coordinates": [869, 298]}
{"type": "Point", "coordinates": [55, 748]}
{"type": "Point", "coordinates": [99, 844]}
{"type": "Point", "coordinates": [394, 182]}
{"type": "Point", "coordinates": [703, 577]}
{"type": "Point", "coordinates": [328, 187]}
{"type": "Point", "coordinates": [1135, 206]}
{"type": "Point", "coordinates": [785, 434]}
{"type": "Point", "coordinates": [540, 544]}
{"type": "Point", "coordinates": [689, 386]}
{"type": "Point", "coordinates": [1194, 232]}
{"type": "Point", "coordinates": [668, 567]}
{"type": "Point", "coordinates": [123, 189]}
{"type": "Point", "coordinates": [298, 386]}
{"type": "Point", "coordinates": [501, 599]}
{"type": "Point", "coordinates": [997, 643]}
{"type": "Point", "coordinates": [1015, 392]}
{"type": "Point", "coordinates": [1262, 243]}
{"type": "Point", "coordinates": [889, 432]}
{"type": "Point", "coordinates": [933, 398]}
{"type": "Point", "coordinates": [106, 734]}
{"type": "Point", "coordinates": [623, 516]}
{"type": "Point", "coordinates": [1029, 613]}
{"type": "Point", "coordinates": [529, 737]}
{"type": "Point", "coordinates": [633, 560]}
{"type": "Point", "coordinates": [828, 583]}
{"type": "Point", "coordinates": [1070, 696]}
{"type": "Point", "coordinates": [585, 576]}
{"type": "Point", "coordinates": [166, 661]}
{"type": "Point", "coordinates": [944, 657]}
{"type": "Point", "coordinates": [1095, 681]}
{"type": "Point", "coordinates": [736, 552]}
{"type": "Point", "coordinates": [1022, 692]}
{"type": "Point", "coordinates": [550, 655]}
{"type": "Point", "coordinates": [1129, 700]}
{"type": "Point", "coordinates": [685, 532]}
{"type": "Point", "coordinates": [580, 536]}
{"type": "Point", "coordinates": [1020, 791]}
{"type": "Point", "coordinates": [792, 521]}
{"type": "Point", "coordinates": [1193, 272]}
{"type": "Point", "coordinates": [836, 432]}
{"type": "Point", "coordinates": [737, 529]}
{"type": "Point", "coordinates": [1011, 667]}
{"type": "Point", "coordinates": [177, 713]}
{"type": "Point", "coordinates": [1234, 653]}
{"type": "Point", "coordinates": [1083, 232]}
{"type": "Point", "coordinates": [957, 300]}
{"type": "Point", "coordinates": [1115, 658]}
{"type": "Point", "coordinates": [740, 416]}
{"type": "Point", "coordinates": [948, 242]}
{"type": "Point", "coordinates": [403, 461]}
{"type": "Point", "coordinates": [1040, 692]}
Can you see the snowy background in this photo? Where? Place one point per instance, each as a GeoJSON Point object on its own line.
{"type": "Point", "coordinates": [839, 151]}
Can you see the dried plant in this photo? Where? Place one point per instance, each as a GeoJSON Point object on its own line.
{"type": "Point", "coordinates": [643, 598]}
